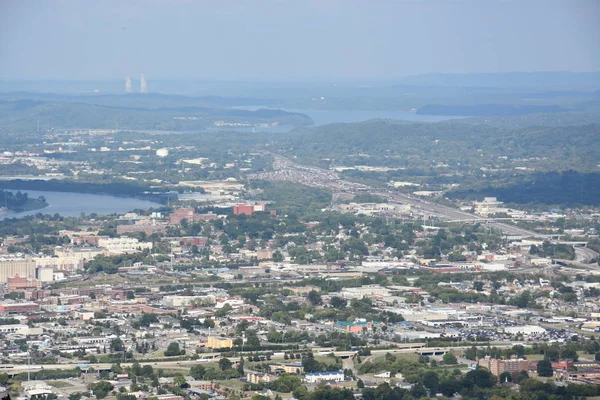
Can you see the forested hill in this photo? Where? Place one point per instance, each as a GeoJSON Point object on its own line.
{"type": "Point", "coordinates": [403, 144]}
{"type": "Point", "coordinates": [569, 189]}
{"type": "Point", "coordinates": [139, 100]}
{"type": "Point", "coordinates": [24, 114]}
{"type": "Point", "coordinates": [486, 109]}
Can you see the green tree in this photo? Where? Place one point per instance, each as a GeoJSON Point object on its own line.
{"type": "Point", "coordinates": [101, 389]}
{"type": "Point", "coordinates": [449, 358]}
{"type": "Point", "coordinates": [311, 365]}
{"type": "Point", "coordinates": [522, 376]}
{"type": "Point", "coordinates": [116, 345]}
{"type": "Point", "coordinates": [592, 347]}
{"type": "Point", "coordinates": [240, 366]}
{"type": "Point", "coordinates": [519, 350]}
{"type": "Point", "coordinates": [197, 372]}
{"type": "Point", "coordinates": [146, 319]}
{"type": "Point", "coordinates": [552, 354]}
{"type": "Point", "coordinates": [534, 249]}
{"type": "Point", "coordinates": [277, 256]}
{"type": "Point", "coordinates": [431, 381]}
{"type": "Point", "coordinates": [75, 396]}
{"type": "Point", "coordinates": [116, 368]}
{"type": "Point", "coordinates": [505, 377]}
{"type": "Point", "coordinates": [569, 354]}
{"type": "Point", "coordinates": [223, 311]}
{"type": "Point", "coordinates": [286, 383]}
{"type": "Point", "coordinates": [314, 298]}
{"type": "Point", "coordinates": [173, 350]}
{"type": "Point", "coordinates": [179, 381]}
{"type": "Point", "coordinates": [224, 364]}
{"type": "Point", "coordinates": [449, 386]}
{"type": "Point", "coordinates": [544, 368]}
{"type": "Point", "coordinates": [338, 302]}
{"type": "Point", "coordinates": [480, 377]}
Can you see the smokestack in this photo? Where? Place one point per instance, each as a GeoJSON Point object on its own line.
{"type": "Point", "coordinates": [143, 84]}
{"type": "Point", "coordinates": [127, 85]}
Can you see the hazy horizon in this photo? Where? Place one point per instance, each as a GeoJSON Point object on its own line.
{"type": "Point", "coordinates": [307, 79]}
{"type": "Point", "coordinates": [275, 40]}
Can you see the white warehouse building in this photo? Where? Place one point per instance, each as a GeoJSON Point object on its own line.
{"type": "Point", "coordinates": [524, 329]}
{"type": "Point", "coordinates": [124, 245]}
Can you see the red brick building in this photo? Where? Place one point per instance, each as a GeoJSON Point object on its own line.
{"type": "Point", "coordinates": [19, 307]}
{"type": "Point", "coordinates": [193, 241]}
{"type": "Point", "coordinates": [513, 366]}
{"type": "Point", "coordinates": [147, 228]}
{"type": "Point", "coordinates": [248, 209]}
{"type": "Point", "coordinates": [21, 283]}
{"type": "Point", "coordinates": [180, 214]}
{"type": "Point", "coordinates": [243, 209]}
{"type": "Point", "coordinates": [87, 239]}
{"type": "Point", "coordinates": [138, 308]}
{"type": "Point", "coordinates": [205, 217]}
{"type": "Point", "coordinates": [189, 215]}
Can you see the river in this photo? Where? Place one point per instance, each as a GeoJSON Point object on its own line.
{"type": "Point", "coordinates": [323, 117]}
{"type": "Point", "coordinates": [73, 204]}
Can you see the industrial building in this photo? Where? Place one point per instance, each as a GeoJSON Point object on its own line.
{"type": "Point", "coordinates": [219, 343]}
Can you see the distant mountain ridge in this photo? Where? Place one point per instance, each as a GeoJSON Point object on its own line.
{"type": "Point", "coordinates": [507, 79]}
{"type": "Point", "coordinates": [486, 110]}
{"type": "Point", "coordinates": [406, 144]}
{"type": "Point", "coordinates": [25, 113]}
{"type": "Point", "coordinates": [138, 100]}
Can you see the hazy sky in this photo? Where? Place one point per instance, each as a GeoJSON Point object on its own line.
{"type": "Point", "coordinates": [287, 39]}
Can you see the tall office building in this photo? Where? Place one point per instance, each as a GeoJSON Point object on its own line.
{"type": "Point", "coordinates": [143, 84]}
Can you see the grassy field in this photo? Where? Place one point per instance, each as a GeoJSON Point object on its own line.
{"type": "Point", "coordinates": [535, 357]}
{"type": "Point", "coordinates": [175, 371]}
{"type": "Point", "coordinates": [401, 356]}
{"type": "Point", "coordinates": [324, 359]}
{"type": "Point", "coordinates": [235, 384]}
{"type": "Point", "coordinates": [407, 356]}
{"type": "Point", "coordinates": [582, 355]}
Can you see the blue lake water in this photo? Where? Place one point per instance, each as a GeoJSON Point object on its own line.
{"type": "Point", "coordinates": [323, 117]}
{"type": "Point", "coordinates": [73, 204]}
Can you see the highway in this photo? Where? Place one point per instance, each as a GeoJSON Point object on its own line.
{"type": "Point", "coordinates": [449, 213]}
{"type": "Point", "coordinates": [407, 348]}
{"type": "Point", "coordinates": [19, 368]}
{"type": "Point", "coordinates": [286, 170]}
{"type": "Point", "coordinates": [585, 255]}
